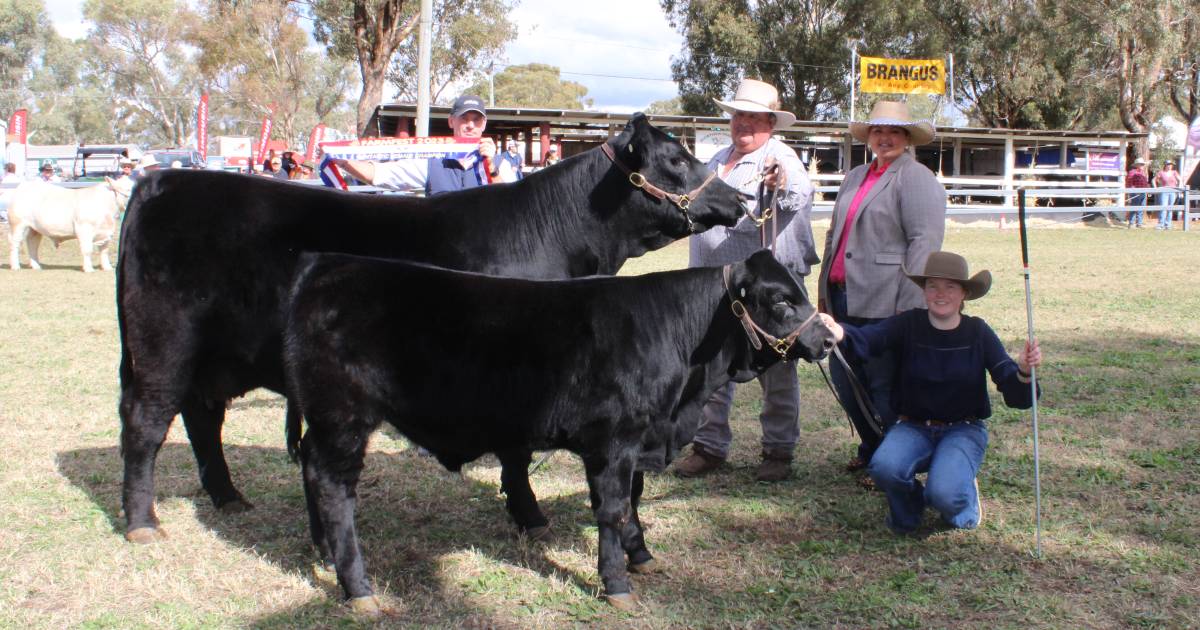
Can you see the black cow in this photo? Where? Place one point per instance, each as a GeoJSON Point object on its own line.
{"type": "Point", "coordinates": [207, 259]}
{"type": "Point", "coordinates": [612, 369]}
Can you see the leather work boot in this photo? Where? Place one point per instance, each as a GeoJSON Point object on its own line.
{"type": "Point", "coordinates": [699, 463]}
{"type": "Point", "coordinates": [775, 466]}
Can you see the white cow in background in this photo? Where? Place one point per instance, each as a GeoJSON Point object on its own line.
{"type": "Point", "coordinates": [89, 214]}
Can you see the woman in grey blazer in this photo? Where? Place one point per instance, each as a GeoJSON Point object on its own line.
{"type": "Point", "coordinates": [889, 215]}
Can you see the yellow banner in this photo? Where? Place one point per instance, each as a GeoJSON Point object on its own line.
{"type": "Point", "coordinates": [902, 76]}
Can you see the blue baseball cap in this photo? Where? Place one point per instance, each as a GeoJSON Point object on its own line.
{"type": "Point", "coordinates": [468, 103]}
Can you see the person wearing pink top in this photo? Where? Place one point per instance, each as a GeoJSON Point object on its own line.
{"type": "Point", "coordinates": [890, 214]}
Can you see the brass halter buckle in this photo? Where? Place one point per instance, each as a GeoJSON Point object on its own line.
{"type": "Point", "coordinates": [637, 179]}
{"type": "Point", "coordinates": [782, 347]}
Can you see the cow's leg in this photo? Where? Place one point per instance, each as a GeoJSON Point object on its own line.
{"type": "Point", "coordinates": [105, 261]}
{"type": "Point", "coordinates": [333, 461]}
{"type": "Point", "coordinates": [86, 236]}
{"type": "Point", "coordinates": [632, 537]}
{"type": "Point", "coordinates": [16, 234]}
{"type": "Point", "coordinates": [518, 495]}
{"type": "Point", "coordinates": [33, 240]}
{"type": "Point", "coordinates": [610, 481]}
{"type": "Point", "coordinates": [203, 421]}
{"type": "Point", "coordinates": [144, 426]}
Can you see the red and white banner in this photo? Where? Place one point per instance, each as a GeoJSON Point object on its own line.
{"type": "Point", "coordinates": [202, 127]}
{"type": "Point", "coordinates": [264, 135]}
{"type": "Point", "coordinates": [316, 137]}
{"type": "Point", "coordinates": [416, 151]}
{"type": "Point", "coordinates": [18, 126]}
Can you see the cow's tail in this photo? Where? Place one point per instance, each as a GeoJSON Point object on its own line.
{"type": "Point", "coordinates": [294, 431]}
{"type": "Point", "coordinates": [295, 415]}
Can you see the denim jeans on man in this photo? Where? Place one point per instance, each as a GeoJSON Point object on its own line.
{"type": "Point", "coordinates": [1135, 216]}
{"type": "Point", "coordinates": [1164, 217]}
{"type": "Point", "coordinates": [951, 454]}
{"type": "Point", "coordinates": [877, 375]}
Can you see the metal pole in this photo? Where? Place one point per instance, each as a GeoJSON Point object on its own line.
{"type": "Point", "coordinates": [1037, 472]}
{"type": "Point", "coordinates": [424, 41]}
{"type": "Point", "coordinates": [853, 75]}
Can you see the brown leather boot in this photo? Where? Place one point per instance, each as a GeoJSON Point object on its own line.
{"type": "Point", "coordinates": [699, 463]}
{"type": "Point", "coordinates": [775, 466]}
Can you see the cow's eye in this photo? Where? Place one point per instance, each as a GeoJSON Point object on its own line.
{"type": "Point", "coordinates": [678, 162]}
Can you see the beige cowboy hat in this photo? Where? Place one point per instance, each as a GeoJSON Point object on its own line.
{"type": "Point", "coordinates": [1140, 162]}
{"type": "Point", "coordinates": [147, 161]}
{"type": "Point", "coordinates": [951, 266]}
{"type": "Point", "coordinates": [757, 96]}
{"type": "Point", "coordinates": [893, 113]}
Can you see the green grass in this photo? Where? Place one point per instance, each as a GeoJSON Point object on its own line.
{"type": "Point", "coordinates": [1118, 315]}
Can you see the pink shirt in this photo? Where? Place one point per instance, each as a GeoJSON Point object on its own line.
{"type": "Point", "coordinates": [837, 272]}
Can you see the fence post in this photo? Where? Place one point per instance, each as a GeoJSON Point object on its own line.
{"type": "Point", "coordinates": [1187, 209]}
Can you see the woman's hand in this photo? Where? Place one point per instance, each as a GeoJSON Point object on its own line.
{"type": "Point", "coordinates": [833, 327]}
{"type": "Point", "coordinates": [1030, 357]}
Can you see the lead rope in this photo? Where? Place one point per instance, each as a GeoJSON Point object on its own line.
{"type": "Point", "coordinates": [861, 396]}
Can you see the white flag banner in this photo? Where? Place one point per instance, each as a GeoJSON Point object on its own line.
{"type": "Point", "coordinates": [390, 150]}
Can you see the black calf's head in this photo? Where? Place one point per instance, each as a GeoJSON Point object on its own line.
{"type": "Point", "coordinates": [661, 162]}
{"type": "Point", "coordinates": [779, 321]}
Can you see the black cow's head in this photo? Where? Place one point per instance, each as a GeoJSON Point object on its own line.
{"type": "Point", "coordinates": [779, 321]}
{"type": "Point", "coordinates": [651, 156]}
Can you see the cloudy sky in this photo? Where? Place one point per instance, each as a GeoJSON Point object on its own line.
{"type": "Point", "coordinates": [620, 49]}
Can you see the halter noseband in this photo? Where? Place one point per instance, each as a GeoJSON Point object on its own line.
{"type": "Point", "coordinates": [637, 180]}
{"type": "Point", "coordinates": [753, 330]}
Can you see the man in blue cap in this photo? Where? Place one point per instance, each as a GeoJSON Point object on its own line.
{"type": "Point", "coordinates": [468, 119]}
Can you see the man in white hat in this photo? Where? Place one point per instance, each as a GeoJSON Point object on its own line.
{"type": "Point", "coordinates": [146, 164]}
{"type": "Point", "coordinates": [757, 164]}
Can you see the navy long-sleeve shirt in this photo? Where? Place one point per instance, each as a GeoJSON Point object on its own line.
{"type": "Point", "coordinates": [941, 373]}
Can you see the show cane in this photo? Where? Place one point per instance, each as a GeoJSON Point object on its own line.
{"type": "Point", "coordinates": [1037, 478]}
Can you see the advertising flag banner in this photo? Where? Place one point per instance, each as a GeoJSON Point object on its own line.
{"type": "Point", "coordinates": [902, 76]}
{"type": "Point", "coordinates": [314, 138]}
{"type": "Point", "coordinates": [414, 151]}
{"type": "Point", "coordinates": [202, 127]}
{"type": "Point", "coordinates": [18, 126]}
{"type": "Point", "coordinates": [264, 135]}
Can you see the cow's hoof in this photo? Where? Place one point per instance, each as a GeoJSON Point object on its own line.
{"type": "Point", "coordinates": [649, 566]}
{"type": "Point", "coordinates": [623, 601]}
{"type": "Point", "coordinates": [368, 606]}
{"type": "Point", "coordinates": [539, 533]}
{"type": "Point", "coordinates": [236, 506]}
{"type": "Point", "coordinates": [146, 535]}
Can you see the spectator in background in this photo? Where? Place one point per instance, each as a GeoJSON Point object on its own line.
{"type": "Point", "coordinates": [551, 155]}
{"type": "Point", "coordinates": [146, 164]}
{"type": "Point", "coordinates": [1168, 177]}
{"type": "Point", "coordinates": [10, 179]}
{"type": "Point", "coordinates": [468, 119]}
{"type": "Point", "coordinates": [289, 163]}
{"type": "Point", "coordinates": [890, 214]}
{"type": "Point", "coordinates": [510, 163]}
{"type": "Point", "coordinates": [46, 172]}
{"type": "Point", "coordinates": [1137, 178]}
{"type": "Point", "coordinates": [267, 160]}
{"type": "Point", "coordinates": [126, 165]}
{"type": "Point", "coordinates": [275, 169]}
{"type": "Point", "coordinates": [304, 170]}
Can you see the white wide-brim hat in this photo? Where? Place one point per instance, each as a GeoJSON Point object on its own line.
{"type": "Point", "coordinates": [760, 97]}
{"type": "Point", "coordinates": [147, 161]}
{"type": "Point", "coordinates": [893, 114]}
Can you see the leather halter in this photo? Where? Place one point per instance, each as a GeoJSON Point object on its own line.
{"type": "Point", "coordinates": [753, 330]}
{"type": "Point", "coordinates": [637, 180]}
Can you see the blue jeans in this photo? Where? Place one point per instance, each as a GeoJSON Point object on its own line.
{"type": "Point", "coordinates": [877, 374]}
{"type": "Point", "coordinates": [1164, 217]}
{"type": "Point", "coordinates": [1135, 216]}
{"type": "Point", "coordinates": [950, 454]}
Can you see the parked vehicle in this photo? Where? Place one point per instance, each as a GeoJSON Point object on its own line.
{"type": "Point", "coordinates": [187, 158]}
{"type": "Point", "coordinates": [94, 162]}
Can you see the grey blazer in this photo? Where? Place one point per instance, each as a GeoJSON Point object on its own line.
{"type": "Point", "coordinates": [901, 220]}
